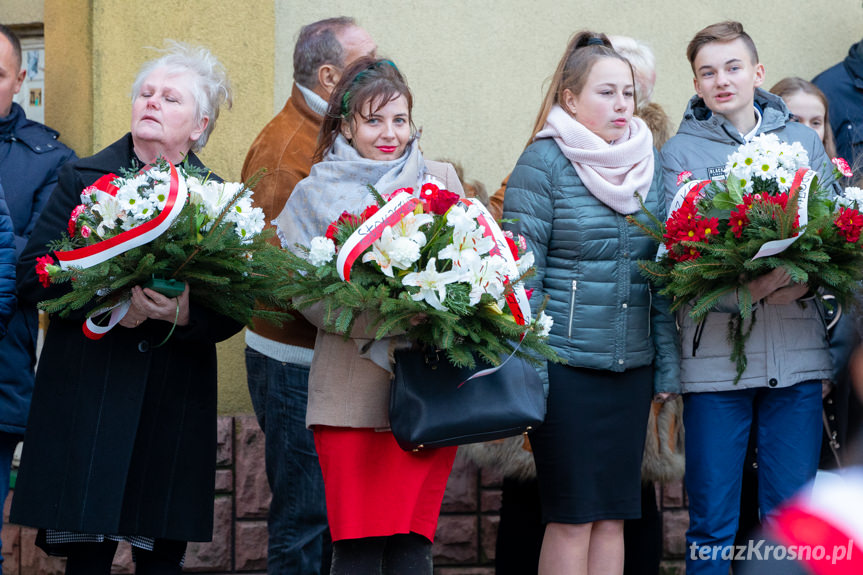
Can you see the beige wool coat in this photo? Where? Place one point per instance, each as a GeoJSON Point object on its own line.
{"type": "Point", "coordinates": [346, 389]}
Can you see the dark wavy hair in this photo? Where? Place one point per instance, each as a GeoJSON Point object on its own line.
{"type": "Point", "coordinates": [366, 86]}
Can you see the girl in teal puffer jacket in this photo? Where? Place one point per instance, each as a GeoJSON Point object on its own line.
{"type": "Point", "coordinates": [589, 164]}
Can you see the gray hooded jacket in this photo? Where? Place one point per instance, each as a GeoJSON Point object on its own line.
{"type": "Point", "coordinates": [788, 344]}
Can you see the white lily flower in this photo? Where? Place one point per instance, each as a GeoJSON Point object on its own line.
{"type": "Point", "coordinates": [463, 221]}
{"type": "Point", "coordinates": [432, 284]}
{"type": "Point", "coordinates": [380, 257]}
{"type": "Point", "coordinates": [487, 277]}
{"type": "Point", "coordinates": [467, 248]}
{"type": "Point", "coordinates": [409, 227]}
{"type": "Point", "coordinates": [109, 209]}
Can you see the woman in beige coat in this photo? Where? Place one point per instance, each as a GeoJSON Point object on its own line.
{"type": "Point", "coordinates": [382, 502]}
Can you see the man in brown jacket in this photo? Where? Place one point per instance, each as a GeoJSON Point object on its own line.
{"type": "Point", "coordinates": [278, 358]}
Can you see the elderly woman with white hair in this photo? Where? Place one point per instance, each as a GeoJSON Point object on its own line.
{"type": "Point", "coordinates": [121, 439]}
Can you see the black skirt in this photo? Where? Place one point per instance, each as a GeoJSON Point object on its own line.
{"type": "Point", "coordinates": [588, 452]}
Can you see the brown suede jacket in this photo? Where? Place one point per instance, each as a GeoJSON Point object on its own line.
{"type": "Point", "coordinates": [284, 148]}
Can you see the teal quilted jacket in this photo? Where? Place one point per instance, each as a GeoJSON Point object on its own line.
{"type": "Point", "coordinates": [605, 313]}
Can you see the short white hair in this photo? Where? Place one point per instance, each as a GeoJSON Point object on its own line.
{"type": "Point", "coordinates": [210, 86]}
{"type": "Point", "coordinates": [643, 63]}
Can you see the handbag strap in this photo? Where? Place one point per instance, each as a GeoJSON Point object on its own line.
{"type": "Point", "coordinates": [831, 438]}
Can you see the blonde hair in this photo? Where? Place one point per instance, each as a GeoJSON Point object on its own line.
{"type": "Point", "coordinates": [584, 49]}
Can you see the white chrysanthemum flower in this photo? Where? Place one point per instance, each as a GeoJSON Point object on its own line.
{"type": "Point", "coordinates": [142, 210]}
{"type": "Point", "coordinates": [432, 284]}
{"type": "Point", "coordinates": [783, 178]}
{"type": "Point", "coordinates": [228, 190]}
{"type": "Point", "coordinates": [852, 197]}
{"type": "Point", "coordinates": [239, 209]}
{"type": "Point", "coordinates": [159, 176]}
{"type": "Point", "coordinates": [321, 251]}
{"type": "Point", "coordinates": [766, 166]}
{"type": "Point", "coordinates": [128, 197]}
{"type": "Point", "coordinates": [543, 324]}
{"type": "Point", "coordinates": [800, 155]}
{"type": "Point", "coordinates": [159, 195]}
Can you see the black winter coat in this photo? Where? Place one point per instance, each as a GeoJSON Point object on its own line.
{"type": "Point", "coordinates": [122, 435]}
{"type": "Point", "coordinates": [843, 86]}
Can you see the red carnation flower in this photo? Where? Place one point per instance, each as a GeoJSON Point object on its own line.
{"type": "Point", "coordinates": [73, 218]}
{"type": "Point", "coordinates": [42, 271]}
{"type": "Point", "coordinates": [332, 229]}
{"type": "Point", "coordinates": [369, 212]}
{"type": "Point", "coordinates": [344, 218]}
{"type": "Point", "coordinates": [843, 167]}
{"type": "Point", "coordinates": [683, 177]}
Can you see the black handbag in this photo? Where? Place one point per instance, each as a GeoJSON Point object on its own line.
{"type": "Point", "coordinates": [430, 408]}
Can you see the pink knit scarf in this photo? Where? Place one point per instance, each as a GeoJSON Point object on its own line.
{"type": "Point", "coordinates": [613, 173]}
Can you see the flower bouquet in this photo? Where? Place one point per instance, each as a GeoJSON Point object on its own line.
{"type": "Point", "coordinates": [770, 211]}
{"type": "Point", "coordinates": [161, 227]}
{"type": "Point", "coordinates": [438, 258]}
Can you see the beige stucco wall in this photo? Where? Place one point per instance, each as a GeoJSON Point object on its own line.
{"type": "Point", "coordinates": [477, 68]}
{"type": "Point", "coordinates": [21, 12]}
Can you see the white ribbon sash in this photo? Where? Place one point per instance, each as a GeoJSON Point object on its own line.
{"type": "Point", "coordinates": [140, 235]}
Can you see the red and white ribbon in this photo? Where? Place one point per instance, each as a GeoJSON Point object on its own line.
{"type": "Point", "coordinates": [140, 235]}
{"type": "Point", "coordinates": [94, 331]}
{"type": "Point", "coordinates": [517, 299]}
{"type": "Point", "coordinates": [690, 191]}
{"type": "Point", "coordinates": [371, 230]}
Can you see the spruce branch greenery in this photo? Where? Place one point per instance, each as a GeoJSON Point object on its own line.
{"type": "Point", "coordinates": [466, 332]}
{"type": "Point", "coordinates": [225, 273]}
{"type": "Point", "coordinates": [823, 256]}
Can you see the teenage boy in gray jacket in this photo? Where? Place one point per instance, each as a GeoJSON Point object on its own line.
{"type": "Point", "coordinates": [787, 351]}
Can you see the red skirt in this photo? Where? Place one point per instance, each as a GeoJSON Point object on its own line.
{"type": "Point", "coordinates": [374, 488]}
